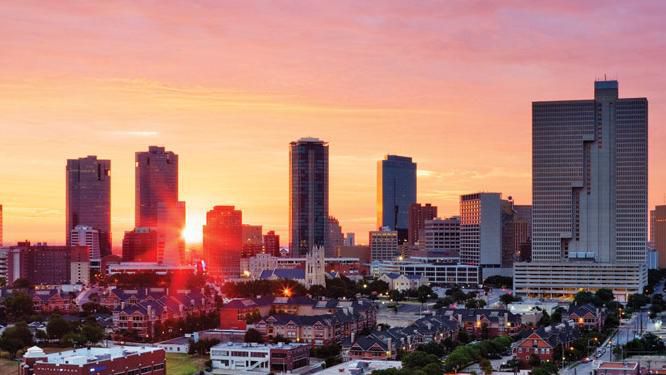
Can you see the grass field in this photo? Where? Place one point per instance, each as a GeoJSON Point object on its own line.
{"type": "Point", "coordinates": [8, 367]}
{"type": "Point", "coordinates": [183, 364]}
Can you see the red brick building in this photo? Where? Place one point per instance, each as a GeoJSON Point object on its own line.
{"type": "Point", "coordinates": [98, 361]}
{"type": "Point", "coordinates": [544, 341]}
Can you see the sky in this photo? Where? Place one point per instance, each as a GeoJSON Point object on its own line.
{"type": "Point", "coordinates": [228, 84]}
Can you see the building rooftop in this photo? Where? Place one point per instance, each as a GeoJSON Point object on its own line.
{"type": "Point", "coordinates": [83, 356]}
{"type": "Point", "coordinates": [618, 365]}
{"type": "Point", "coordinates": [354, 367]}
{"type": "Point", "coordinates": [246, 345]}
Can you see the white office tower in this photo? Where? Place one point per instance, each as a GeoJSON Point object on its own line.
{"type": "Point", "coordinates": [83, 235]}
{"type": "Point", "coordinates": [589, 186]}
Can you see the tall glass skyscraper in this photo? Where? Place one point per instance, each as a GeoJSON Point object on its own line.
{"type": "Point", "coordinates": [88, 198]}
{"type": "Point", "coordinates": [589, 186]}
{"type": "Point", "coordinates": [396, 192]}
{"type": "Point", "coordinates": [156, 181]}
{"type": "Point", "coordinates": [156, 200]}
{"type": "Point", "coordinates": [308, 195]}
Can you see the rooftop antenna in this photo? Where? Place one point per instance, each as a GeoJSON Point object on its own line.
{"type": "Point", "coordinates": [604, 76]}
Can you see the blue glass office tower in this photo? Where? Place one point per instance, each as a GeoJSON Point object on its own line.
{"type": "Point", "coordinates": [396, 192]}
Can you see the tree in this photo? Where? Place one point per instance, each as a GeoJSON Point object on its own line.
{"type": "Point", "coordinates": [486, 366]}
{"type": "Point", "coordinates": [507, 299]}
{"type": "Point", "coordinates": [418, 359]}
{"type": "Point", "coordinates": [424, 292]}
{"type": "Point", "coordinates": [534, 360]}
{"type": "Point", "coordinates": [19, 306]}
{"type": "Point", "coordinates": [92, 332]}
{"type": "Point", "coordinates": [16, 338]}
{"type": "Point", "coordinates": [252, 335]}
{"type": "Point", "coordinates": [584, 297]}
{"type": "Point", "coordinates": [22, 283]}
{"type": "Point", "coordinates": [636, 301]}
{"type": "Point", "coordinates": [605, 295]}
{"type": "Point", "coordinates": [57, 327]}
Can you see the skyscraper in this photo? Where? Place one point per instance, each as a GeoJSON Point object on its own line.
{"type": "Point", "coordinates": [396, 192]}
{"type": "Point", "coordinates": [88, 198]}
{"type": "Point", "coordinates": [156, 199]}
{"type": "Point", "coordinates": [659, 231]}
{"type": "Point", "coordinates": [223, 241]}
{"type": "Point", "coordinates": [589, 189]}
{"type": "Point", "coordinates": [308, 195]}
{"type": "Point", "coordinates": [0, 225]}
{"type": "Point", "coordinates": [418, 214]}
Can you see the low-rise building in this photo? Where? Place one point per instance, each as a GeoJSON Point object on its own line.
{"type": "Point", "coordinates": [542, 342]}
{"type": "Point", "coordinates": [438, 271]}
{"type": "Point", "coordinates": [403, 283]}
{"type": "Point", "coordinates": [232, 358]}
{"type": "Point", "coordinates": [617, 368]}
{"type": "Point", "coordinates": [485, 323]}
{"type": "Point", "coordinates": [102, 361]}
{"type": "Point", "coordinates": [587, 316]}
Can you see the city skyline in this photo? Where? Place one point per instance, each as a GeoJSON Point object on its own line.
{"type": "Point", "coordinates": [213, 108]}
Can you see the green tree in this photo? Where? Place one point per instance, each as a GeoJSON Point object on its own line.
{"type": "Point", "coordinates": [57, 327]}
{"type": "Point", "coordinates": [584, 297]}
{"type": "Point", "coordinates": [252, 335]}
{"type": "Point", "coordinates": [92, 332]}
{"type": "Point", "coordinates": [19, 306]}
{"type": "Point", "coordinates": [424, 292]}
{"type": "Point", "coordinates": [636, 301]}
{"type": "Point", "coordinates": [605, 295]}
{"type": "Point", "coordinates": [486, 366]}
{"type": "Point", "coordinates": [418, 359]}
{"type": "Point", "coordinates": [507, 299]}
{"type": "Point", "coordinates": [22, 283]}
{"type": "Point", "coordinates": [16, 338]}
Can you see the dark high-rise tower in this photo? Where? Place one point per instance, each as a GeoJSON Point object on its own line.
{"type": "Point", "coordinates": [308, 195]}
{"type": "Point", "coordinates": [396, 192]}
{"type": "Point", "coordinates": [88, 198]}
{"type": "Point", "coordinates": [156, 200]}
{"type": "Point", "coordinates": [156, 181]}
{"type": "Point", "coordinates": [223, 241]}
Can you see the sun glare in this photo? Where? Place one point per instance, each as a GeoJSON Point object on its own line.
{"type": "Point", "coordinates": [193, 232]}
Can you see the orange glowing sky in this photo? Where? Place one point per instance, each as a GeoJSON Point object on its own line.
{"type": "Point", "coordinates": [227, 85]}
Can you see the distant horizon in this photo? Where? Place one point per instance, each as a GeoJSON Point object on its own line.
{"type": "Point", "coordinates": [227, 87]}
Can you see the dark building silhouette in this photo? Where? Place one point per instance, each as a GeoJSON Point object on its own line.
{"type": "Point", "coordinates": [156, 181]}
{"type": "Point", "coordinates": [156, 199]}
{"type": "Point", "coordinates": [141, 245]}
{"type": "Point", "coordinates": [334, 238]}
{"type": "Point", "coordinates": [418, 214]}
{"type": "Point", "coordinates": [43, 264]}
{"type": "Point", "coordinates": [308, 195]}
{"type": "Point", "coordinates": [88, 198]}
{"type": "Point", "coordinates": [396, 192]}
{"type": "Point", "coordinates": [223, 241]}
{"type": "Point", "coordinates": [272, 243]}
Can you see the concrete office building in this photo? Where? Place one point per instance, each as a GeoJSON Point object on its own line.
{"type": "Point", "coordinates": [442, 236]}
{"type": "Point", "coordinates": [272, 243]}
{"type": "Point", "coordinates": [83, 235]}
{"type": "Point", "coordinates": [396, 192]}
{"type": "Point", "coordinates": [589, 205]}
{"type": "Point", "coordinates": [481, 230]}
{"type": "Point", "coordinates": [308, 195]}
{"type": "Point", "coordinates": [223, 241]}
{"type": "Point", "coordinates": [659, 234]}
{"type": "Point", "coordinates": [335, 237]}
{"type": "Point", "coordinates": [384, 244]}
{"type": "Point", "coordinates": [418, 214]}
{"type": "Point", "coordinates": [88, 198]}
